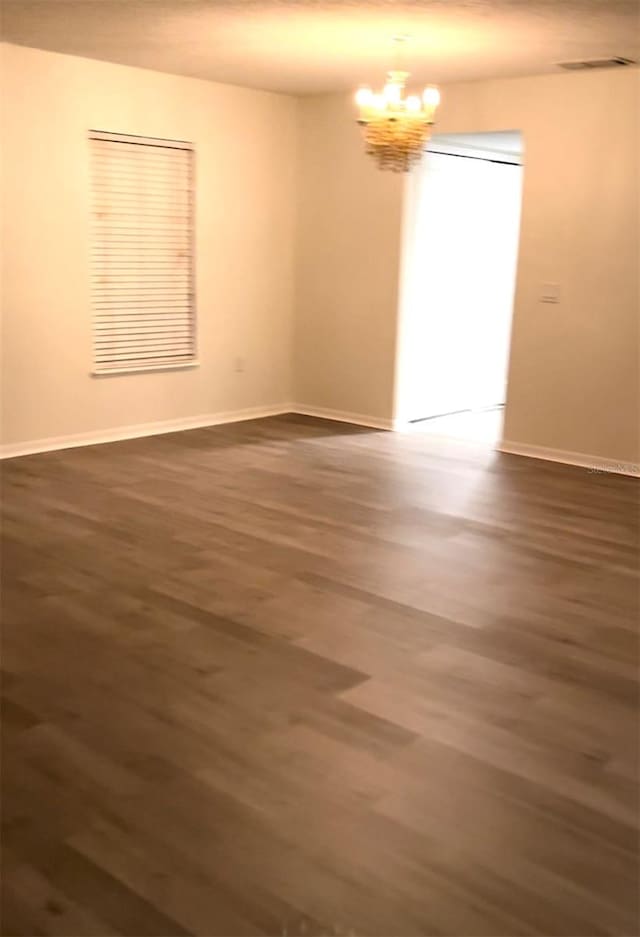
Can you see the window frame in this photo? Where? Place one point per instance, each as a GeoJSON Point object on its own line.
{"type": "Point", "coordinates": [134, 367]}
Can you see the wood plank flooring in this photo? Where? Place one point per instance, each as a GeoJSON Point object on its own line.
{"type": "Point", "coordinates": [293, 677]}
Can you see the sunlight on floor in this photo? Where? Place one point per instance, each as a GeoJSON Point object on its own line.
{"type": "Point", "coordinates": [484, 426]}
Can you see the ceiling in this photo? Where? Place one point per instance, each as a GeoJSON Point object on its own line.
{"type": "Point", "coordinates": [314, 46]}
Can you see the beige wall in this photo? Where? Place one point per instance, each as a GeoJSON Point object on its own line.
{"type": "Point", "coordinates": [288, 203]}
{"type": "Point", "coordinates": [245, 164]}
{"type": "Point", "coordinates": [348, 261]}
{"type": "Point", "coordinates": [574, 366]}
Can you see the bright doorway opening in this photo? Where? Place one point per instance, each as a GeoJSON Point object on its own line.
{"type": "Point", "coordinates": [461, 248]}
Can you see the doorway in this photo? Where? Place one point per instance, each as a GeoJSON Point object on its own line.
{"type": "Point", "coordinates": [461, 247]}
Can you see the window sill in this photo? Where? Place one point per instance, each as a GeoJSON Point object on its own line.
{"type": "Point", "coordinates": [137, 369]}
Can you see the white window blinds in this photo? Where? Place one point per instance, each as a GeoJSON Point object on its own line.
{"type": "Point", "coordinates": [142, 253]}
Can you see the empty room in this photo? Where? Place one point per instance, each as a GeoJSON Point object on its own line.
{"type": "Point", "coordinates": [320, 459]}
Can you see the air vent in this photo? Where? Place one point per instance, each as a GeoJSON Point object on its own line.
{"type": "Point", "coordinates": [615, 62]}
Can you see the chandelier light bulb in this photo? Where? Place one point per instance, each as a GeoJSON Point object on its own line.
{"type": "Point", "coordinates": [413, 103]}
{"type": "Point", "coordinates": [392, 92]}
{"type": "Point", "coordinates": [364, 97]}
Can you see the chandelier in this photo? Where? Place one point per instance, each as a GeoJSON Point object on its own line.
{"type": "Point", "coordinates": [396, 128]}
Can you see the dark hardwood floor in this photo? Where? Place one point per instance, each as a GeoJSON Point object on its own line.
{"type": "Point", "coordinates": [296, 677]}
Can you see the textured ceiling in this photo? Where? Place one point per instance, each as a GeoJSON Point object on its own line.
{"type": "Point", "coordinates": [311, 46]}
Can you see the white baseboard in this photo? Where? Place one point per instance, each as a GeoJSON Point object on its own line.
{"type": "Point", "coordinates": [138, 430]}
{"type": "Point", "coordinates": [595, 463]}
{"type": "Point", "coordinates": [12, 450]}
{"type": "Point", "coordinates": [342, 416]}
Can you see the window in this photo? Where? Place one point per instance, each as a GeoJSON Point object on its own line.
{"type": "Point", "coordinates": [142, 253]}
